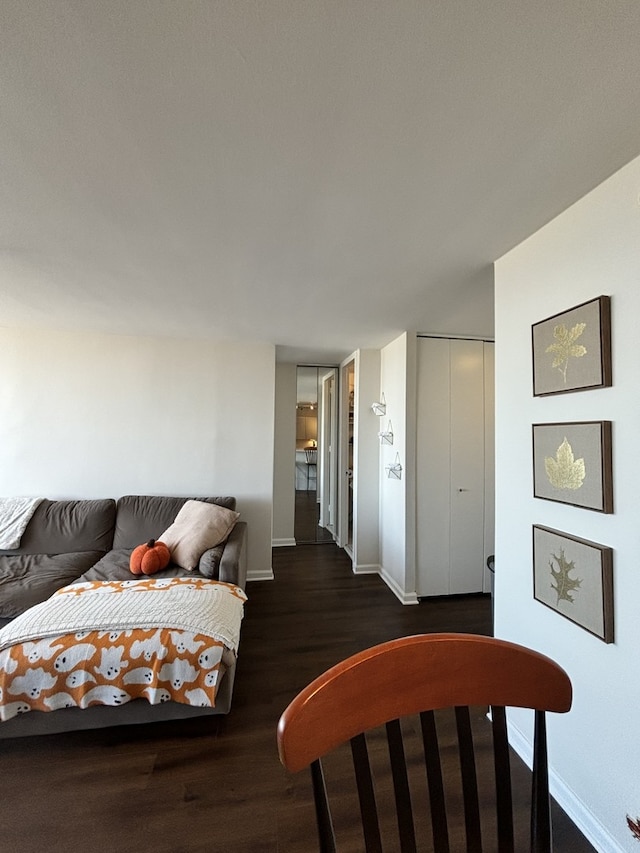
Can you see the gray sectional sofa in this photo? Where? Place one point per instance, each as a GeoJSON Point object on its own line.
{"type": "Point", "coordinates": [69, 541]}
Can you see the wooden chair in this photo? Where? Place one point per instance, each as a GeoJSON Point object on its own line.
{"type": "Point", "coordinates": [416, 676]}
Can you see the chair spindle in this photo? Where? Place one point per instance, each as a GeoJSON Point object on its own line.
{"type": "Point", "coordinates": [502, 765]}
{"type": "Point", "coordinates": [469, 780]}
{"type": "Point", "coordinates": [366, 795]}
{"type": "Point", "coordinates": [435, 784]}
{"type": "Point", "coordinates": [540, 805]}
{"type": "Point", "coordinates": [404, 811]}
{"type": "Point", "coordinates": [323, 814]}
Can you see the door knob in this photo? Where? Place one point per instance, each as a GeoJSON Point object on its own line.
{"type": "Point", "coordinates": [463, 490]}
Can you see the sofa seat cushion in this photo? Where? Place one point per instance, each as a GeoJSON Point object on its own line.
{"type": "Point", "coordinates": [28, 579]}
{"type": "Point", "coordinates": [114, 566]}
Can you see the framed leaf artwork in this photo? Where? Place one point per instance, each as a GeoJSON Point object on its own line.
{"type": "Point", "coordinates": [574, 577]}
{"type": "Point", "coordinates": [572, 464]}
{"type": "Point", "coordinates": [572, 350]}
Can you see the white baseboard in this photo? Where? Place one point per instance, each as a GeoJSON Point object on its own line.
{"type": "Point", "coordinates": [396, 589]}
{"type": "Point", "coordinates": [265, 575]}
{"type": "Point", "coordinates": [282, 543]}
{"type": "Point", "coordinates": [586, 821]}
{"type": "Point", "coordinates": [366, 569]}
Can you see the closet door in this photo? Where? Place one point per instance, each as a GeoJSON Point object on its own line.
{"type": "Point", "coordinates": [451, 476]}
{"type": "Point", "coordinates": [466, 544]}
{"type": "Point", "coordinates": [433, 467]}
{"type": "Point", "coordinates": [489, 460]}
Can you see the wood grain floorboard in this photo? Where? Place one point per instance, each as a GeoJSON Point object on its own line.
{"type": "Point", "coordinates": [215, 785]}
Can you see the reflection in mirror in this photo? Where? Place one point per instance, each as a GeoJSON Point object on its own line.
{"type": "Point", "coordinates": [309, 454]}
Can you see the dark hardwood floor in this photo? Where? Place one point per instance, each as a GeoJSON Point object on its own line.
{"type": "Point", "coordinates": [307, 513]}
{"type": "Point", "coordinates": [217, 786]}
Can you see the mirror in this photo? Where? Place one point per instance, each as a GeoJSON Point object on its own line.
{"type": "Point", "coordinates": [314, 456]}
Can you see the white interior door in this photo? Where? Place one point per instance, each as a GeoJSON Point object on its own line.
{"type": "Point", "coordinates": [433, 468]}
{"type": "Point", "coordinates": [454, 473]}
{"type": "Point", "coordinates": [328, 444]}
{"type": "Point", "coordinates": [347, 457]}
{"type": "Point", "coordinates": [466, 566]}
{"type": "Point", "coordinates": [489, 460]}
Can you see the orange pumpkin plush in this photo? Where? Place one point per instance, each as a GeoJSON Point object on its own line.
{"type": "Point", "coordinates": [149, 558]}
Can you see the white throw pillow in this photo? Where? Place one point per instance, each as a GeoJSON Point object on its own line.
{"type": "Point", "coordinates": [197, 527]}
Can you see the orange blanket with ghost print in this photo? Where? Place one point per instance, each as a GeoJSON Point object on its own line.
{"type": "Point", "coordinates": [110, 642]}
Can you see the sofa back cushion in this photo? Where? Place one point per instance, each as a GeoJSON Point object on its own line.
{"type": "Point", "coordinates": [143, 517]}
{"type": "Point", "coordinates": [62, 527]}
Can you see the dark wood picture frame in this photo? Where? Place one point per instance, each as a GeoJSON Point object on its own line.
{"type": "Point", "coordinates": [574, 577]}
{"type": "Point", "coordinates": [571, 351]}
{"type": "Point", "coordinates": [572, 464]}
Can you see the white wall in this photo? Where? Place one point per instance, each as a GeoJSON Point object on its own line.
{"type": "Point", "coordinates": [397, 510]}
{"type": "Point", "coordinates": [103, 416]}
{"type": "Point", "coordinates": [366, 534]}
{"type": "Point", "coordinates": [591, 249]}
{"type": "Point", "coordinates": [284, 473]}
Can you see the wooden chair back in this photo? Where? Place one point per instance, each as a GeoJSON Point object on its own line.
{"type": "Point", "coordinates": [419, 675]}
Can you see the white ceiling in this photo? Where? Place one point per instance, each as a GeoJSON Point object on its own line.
{"type": "Point", "coordinates": [319, 174]}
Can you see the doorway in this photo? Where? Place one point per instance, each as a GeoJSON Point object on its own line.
{"type": "Point", "coordinates": [315, 442]}
{"type": "Point", "coordinates": [347, 429]}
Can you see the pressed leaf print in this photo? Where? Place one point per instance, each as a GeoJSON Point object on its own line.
{"type": "Point", "coordinates": [565, 472]}
{"type": "Point", "coordinates": [634, 826]}
{"type": "Point", "coordinates": [563, 584]}
{"type": "Point", "coordinates": [565, 346]}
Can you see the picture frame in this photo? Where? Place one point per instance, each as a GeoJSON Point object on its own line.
{"type": "Point", "coordinates": [571, 351]}
{"type": "Point", "coordinates": [574, 577]}
{"type": "Point", "coordinates": [572, 464]}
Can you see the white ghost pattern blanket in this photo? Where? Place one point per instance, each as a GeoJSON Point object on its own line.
{"type": "Point", "coordinates": [110, 642]}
